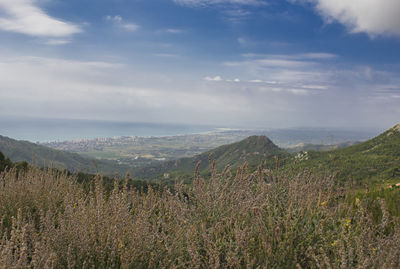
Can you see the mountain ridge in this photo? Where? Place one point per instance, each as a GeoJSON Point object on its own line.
{"type": "Point", "coordinates": [396, 127]}
{"type": "Point", "coordinates": [253, 150]}
{"type": "Point", "coordinates": [20, 150]}
{"type": "Point", "coordinates": [377, 159]}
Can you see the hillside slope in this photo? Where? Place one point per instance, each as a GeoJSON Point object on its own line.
{"type": "Point", "coordinates": [18, 151]}
{"type": "Point", "coordinates": [376, 159]}
{"type": "Point", "coordinates": [319, 147]}
{"type": "Point", "coordinates": [254, 150]}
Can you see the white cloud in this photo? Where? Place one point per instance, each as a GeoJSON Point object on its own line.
{"type": "Point", "coordinates": [233, 11]}
{"type": "Point", "coordinates": [374, 17]}
{"type": "Point", "coordinates": [300, 56]}
{"type": "Point", "coordinates": [282, 63]}
{"type": "Point", "coordinates": [316, 56]}
{"type": "Point", "coordinates": [315, 87]}
{"type": "Point", "coordinates": [295, 69]}
{"type": "Point", "coordinates": [166, 55]}
{"type": "Point", "coordinates": [117, 20]}
{"type": "Point", "coordinates": [103, 90]}
{"type": "Point", "coordinates": [216, 78]}
{"type": "Point", "coordinates": [174, 31]}
{"type": "Point", "coordinates": [310, 74]}
{"type": "Point", "coordinates": [298, 74]}
{"type": "Point", "coordinates": [299, 91]}
{"type": "Point", "coordinates": [242, 41]}
{"type": "Point", "coordinates": [204, 3]}
{"type": "Point", "coordinates": [57, 42]}
{"type": "Point", "coordinates": [236, 15]}
{"type": "Point", "coordinates": [106, 90]}
{"type": "Point", "coordinates": [271, 62]}
{"type": "Point", "coordinates": [26, 17]}
{"type": "Point", "coordinates": [130, 26]}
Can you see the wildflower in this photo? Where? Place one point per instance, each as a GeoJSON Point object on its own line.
{"type": "Point", "coordinates": [334, 243]}
{"type": "Point", "coordinates": [348, 221]}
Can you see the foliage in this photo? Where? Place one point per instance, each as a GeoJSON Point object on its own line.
{"type": "Point", "coordinates": [376, 160]}
{"type": "Point", "coordinates": [258, 220]}
{"type": "Point", "coordinates": [4, 162]}
{"type": "Point", "coordinates": [318, 147]}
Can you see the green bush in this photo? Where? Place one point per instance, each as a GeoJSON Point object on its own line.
{"type": "Point", "coordinates": [264, 219]}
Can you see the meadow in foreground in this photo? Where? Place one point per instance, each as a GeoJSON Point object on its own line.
{"type": "Point", "coordinates": [265, 219]}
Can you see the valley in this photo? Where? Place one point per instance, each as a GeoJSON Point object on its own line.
{"type": "Point", "coordinates": [316, 195]}
{"type": "Point", "coordinates": [136, 151]}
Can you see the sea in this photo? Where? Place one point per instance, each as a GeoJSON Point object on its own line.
{"type": "Point", "coordinates": [47, 130]}
{"type": "Point", "coordinates": [50, 130]}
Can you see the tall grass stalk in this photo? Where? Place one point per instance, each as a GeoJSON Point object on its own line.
{"type": "Point", "coordinates": [267, 219]}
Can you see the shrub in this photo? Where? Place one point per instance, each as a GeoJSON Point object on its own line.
{"type": "Point", "coordinates": [260, 220]}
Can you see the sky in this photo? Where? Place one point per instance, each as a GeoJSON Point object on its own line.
{"type": "Point", "coordinates": [231, 63]}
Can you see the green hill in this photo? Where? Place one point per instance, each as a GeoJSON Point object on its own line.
{"type": "Point", "coordinates": [373, 160]}
{"type": "Point", "coordinates": [19, 151]}
{"type": "Point", "coordinates": [254, 150]}
{"type": "Point", "coordinates": [318, 147]}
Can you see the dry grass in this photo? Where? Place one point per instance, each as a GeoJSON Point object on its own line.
{"type": "Point", "coordinates": [260, 220]}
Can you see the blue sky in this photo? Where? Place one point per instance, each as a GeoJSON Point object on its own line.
{"type": "Point", "coordinates": [239, 63]}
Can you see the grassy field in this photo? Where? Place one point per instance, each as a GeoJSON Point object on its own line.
{"type": "Point", "coordinates": [259, 220]}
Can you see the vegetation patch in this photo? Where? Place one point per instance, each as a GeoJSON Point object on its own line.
{"type": "Point", "coordinates": [263, 219]}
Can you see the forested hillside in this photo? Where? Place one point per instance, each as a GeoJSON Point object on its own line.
{"type": "Point", "coordinates": [377, 159]}
{"type": "Point", "coordinates": [19, 151]}
{"type": "Point", "coordinates": [254, 150]}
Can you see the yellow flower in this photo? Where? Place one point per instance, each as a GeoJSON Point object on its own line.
{"type": "Point", "coordinates": [348, 221]}
{"type": "Point", "coordinates": [334, 243]}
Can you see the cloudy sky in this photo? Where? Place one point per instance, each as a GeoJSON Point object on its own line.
{"type": "Point", "coordinates": [249, 63]}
